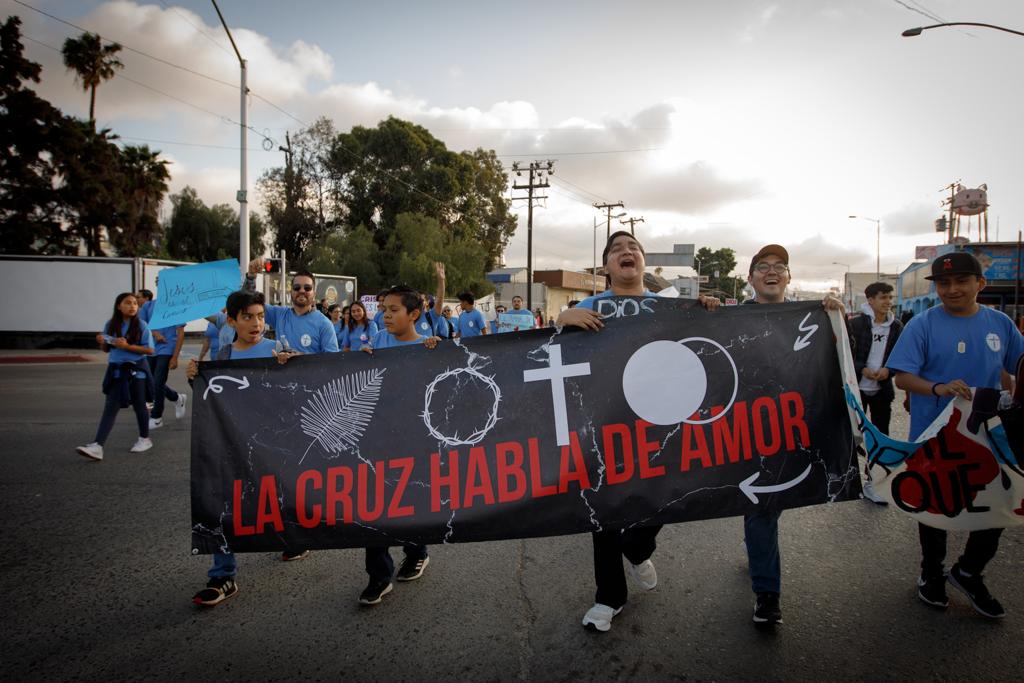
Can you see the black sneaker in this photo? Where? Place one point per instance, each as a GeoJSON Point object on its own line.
{"type": "Point", "coordinates": [217, 591]}
{"type": "Point", "coordinates": [932, 591]}
{"type": "Point", "coordinates": [290, 556]}
{"type": "Point", "coordinates": [973, 586]}
{"type": "Point", "coordinates": [412, 568]}
{"type": "Point", "coordinates": [375, 591]}
{"type": "Point", "coordinates": [767, 610]}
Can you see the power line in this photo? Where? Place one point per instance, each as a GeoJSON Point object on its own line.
{"type": "Point", "coordinates": [562, 179]}
{"type": "Point", "coordinates": [130, 49]}
{"type": "Point", "coordinates": [570, 154]}
{"type": "Point", "coordinates": [225, 119]}
{"type": "Point", "coordinates": [191, 144]}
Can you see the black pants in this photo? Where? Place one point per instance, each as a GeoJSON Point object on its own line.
{"type": "Point", "coordinates": [981, 547]}
{"type": "Point", "coordinates": [636, 544]}
{"type": "Point", "coordinates": [381, 567]}
{"type": "Point", "coordinates": [879, 410]}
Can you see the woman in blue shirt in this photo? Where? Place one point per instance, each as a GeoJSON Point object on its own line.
{"type": "Point", "coordinates": [128, 340]}
{"type": "Point", "coordinates": [360, 329]}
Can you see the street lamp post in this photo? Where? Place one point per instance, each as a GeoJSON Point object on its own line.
{"type": "Point", "coordinates": [878, 244]}
{"type": "Point", "coordinates": [911, 32]}
{"type": "Point", "coordinates": [846, 286]}
{"type": "Point", "coordinates": [699, 265]}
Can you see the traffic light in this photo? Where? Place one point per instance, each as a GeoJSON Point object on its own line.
{"type": "Point", "coordinates": [272, 265]}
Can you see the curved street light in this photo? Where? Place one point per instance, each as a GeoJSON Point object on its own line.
{"type": "Point", "coordinates": [910, 32]}
{"type": "Point", "coordinates": [878, 244]}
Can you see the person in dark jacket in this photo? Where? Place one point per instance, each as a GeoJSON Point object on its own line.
{"type": "Point", "coordinates": [873, 335]}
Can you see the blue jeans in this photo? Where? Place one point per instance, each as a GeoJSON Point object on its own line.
{"type": "Point", "coordinates": [224, 564]}
{"type": "Point", "coordinates": [160, 366]}
{"type": "Point", "coordinates": [112, 406]}
{"type": "Point", "coordinates": [761, 531]}
{"type": "Point", "coordinates": [379, 564]}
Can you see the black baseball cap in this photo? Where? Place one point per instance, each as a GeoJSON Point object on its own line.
{"type": "Point", "coordinates": [955, 263]}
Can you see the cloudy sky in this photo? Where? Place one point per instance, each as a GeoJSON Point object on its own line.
{"type": "Point", "coordinates": [723, 124]}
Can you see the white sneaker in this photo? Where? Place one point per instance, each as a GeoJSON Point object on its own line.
{"type": "Point", "coordinates": [874, 496]}
{"type": "Point", "coordinates": [643, 573]}
{"type": "Point", "coordinates": [599, 617]}
{"type": "Point", "coordinates": [93, 451]}
{"type": "Point", "coordinates": [179, 406]}
{"type": "Point", "coordinates": [156, 422]}
{"type": "Point", "coordinates": [142, 445]}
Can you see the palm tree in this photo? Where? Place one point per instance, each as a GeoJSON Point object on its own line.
{"type": "Point", "coordinates": [93, 62]}
{"type": "Point", "coordinates": [145, 184]}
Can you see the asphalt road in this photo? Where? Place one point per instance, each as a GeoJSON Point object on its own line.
{"type": "Point", "coordinates": [97, 578]}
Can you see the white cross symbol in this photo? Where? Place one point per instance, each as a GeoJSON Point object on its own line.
{"type": "Point", "coordinates": [556, 372]}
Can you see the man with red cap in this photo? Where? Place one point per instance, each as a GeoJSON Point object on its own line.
{"type": "Point", "coordinates": [769, 277]}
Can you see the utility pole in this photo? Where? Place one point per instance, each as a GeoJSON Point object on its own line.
{"type": "Point", "coordinates": [608, 208]}
{"type": "Point", "coordinates": [538, 173]}
{"type": "Point", "coordinates": [632, 222]}
{"type": "Point", "coordinates": [242, 195]}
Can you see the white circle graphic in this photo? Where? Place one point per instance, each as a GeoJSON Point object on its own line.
{"type": "Point", "coordinates": [664, 382]}
{"type": "Point", "coordinates": [659, 372]}
{"type": "Point", "coordinates": [306, 340]}
{"type": "Point", "coordinates": [478, 435]}
{"type": "Point", "coordinates": [993, 341]}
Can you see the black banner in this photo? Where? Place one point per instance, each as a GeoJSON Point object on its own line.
{"type": "Point", "coordinates": [668, 414]}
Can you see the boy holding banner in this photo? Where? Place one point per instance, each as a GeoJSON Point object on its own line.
{"type": "Point", "coordinates": [402, 307]}
{"type": "Point", "coordinates": [945, 352]}
{"type": "Point", "coordinates": [246, 316]}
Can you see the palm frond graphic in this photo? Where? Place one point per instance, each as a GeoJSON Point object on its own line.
{"type": "Point", "coordinates": [340, 411]}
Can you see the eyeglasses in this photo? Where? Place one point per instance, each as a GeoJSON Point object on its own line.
{"type": "Point", "coordinates": [299, 288]}
{"type": "Point", "coordinates": [765, 268]}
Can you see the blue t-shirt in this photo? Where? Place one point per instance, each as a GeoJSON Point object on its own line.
{"type": "Point", "coordinates": [212, 334]}
{"type": "Point", "coordinates": [378, 318]}
{"type": "Point", "coordinates": [170, 334]}
{"type": "Point", "coordinates": [309, 333]}
{"type": "Point", "coordinates": [264, 348]}
{"type": "Point", "coordinates": [359, 336]}
{"type": "Point", "coordinates": [120, 355]}
{"type": "Point", "coordinates": [471, 323]}
{"type": "Point", "coordinates": [591, 302]}
{"type": "Point", "coordinates": [386, 340]}
{"type": "Point", "coordinates": [940, 347]}
{"type": "Point", "coordinates": [431, 325]}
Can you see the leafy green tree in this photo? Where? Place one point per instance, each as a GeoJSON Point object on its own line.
{"type": "Point", "coordinates": [350, 253]}
{"type": "Point", "coordinates": [716, 265]}
{"type": "Point", "coordinates": [91, 184]}
{"type": "Point", "coordinates": [93, 62]}
{"type": "Point", "coordinates": [201, 233]}
{"type": "Point", "coordinates": [296, 197]}
{"type": "Point", "coordinates": [32, 137]}
{"type": "Point", "coordinates": [399, 167]}
{"type": "Point", "coordinates": [419, 240]}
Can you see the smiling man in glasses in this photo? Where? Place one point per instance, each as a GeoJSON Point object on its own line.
{"type": "Point", "coordinates": [769, 277]}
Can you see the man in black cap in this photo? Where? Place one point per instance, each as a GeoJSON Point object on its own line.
{"type": "Point", "coordinates": [943, 353]}
{"type": "Point", "coordinates": [769, 277]}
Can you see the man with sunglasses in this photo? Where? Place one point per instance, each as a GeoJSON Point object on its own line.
{"type": "Point", "coordinates": [300, 328]}
{"type": "Point", "coordinates": [295, 328]}
{"type": "Point", "coordinates": [769, 277]}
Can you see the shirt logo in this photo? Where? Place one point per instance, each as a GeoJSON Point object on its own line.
{"type": "Point", "coordinates": [879, 337]}
{"type": "Point", "coordinates": [471, 323]}
{"type": "Point", "coordinates": [306, 340]}
{"type": "Point", "coordinates": [947, 264]}
{"type": "Point", "coordinates": [993, 341]}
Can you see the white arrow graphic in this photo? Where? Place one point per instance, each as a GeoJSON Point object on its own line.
{"type": "Point", "coordinates": [802, 342]}
{"type": "Point", "coordinates": [751, 491]}
{"type": "Point", "coordinates": [216, 388]}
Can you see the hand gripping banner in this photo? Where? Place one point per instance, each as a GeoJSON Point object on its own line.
{"type": "Point", "coordinates": [963, 474]}
{"type": "Point", "coordinates": [668, 414]}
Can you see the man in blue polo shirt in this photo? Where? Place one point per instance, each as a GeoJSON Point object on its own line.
{"type": "Point", "coordinates": [944, 352]}
{"type": "Point", "coordinates": [295, 326]}
{"type": "Point", "coordinates": [471, 321]}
